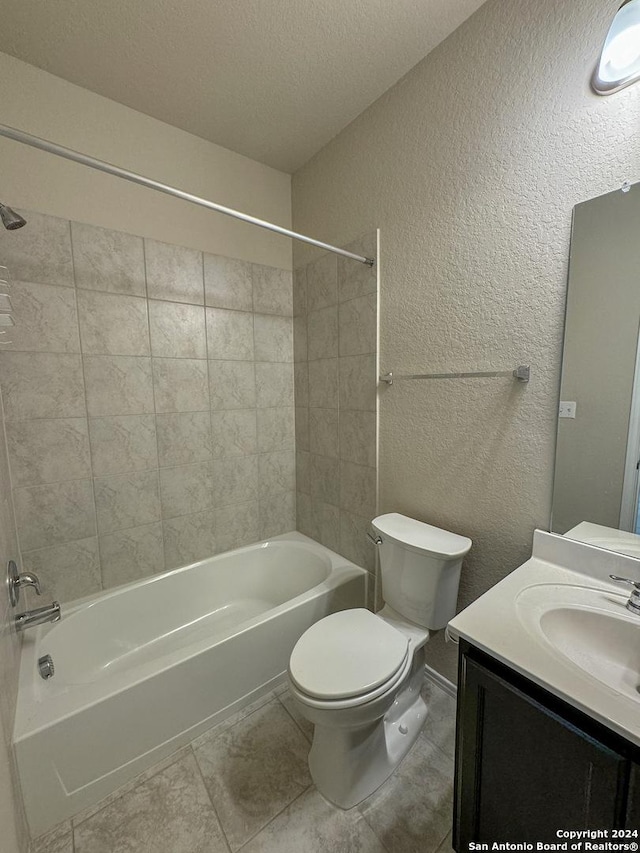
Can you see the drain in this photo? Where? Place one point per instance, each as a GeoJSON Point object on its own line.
{"type": "Point", "coordinates": [46, 667]}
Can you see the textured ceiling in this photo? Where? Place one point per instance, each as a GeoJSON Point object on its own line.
{"type": "Point", "coordinates": [272, 79]}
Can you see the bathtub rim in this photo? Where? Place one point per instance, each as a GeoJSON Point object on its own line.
{"type": "Point", "coordinates": [30, 718]}
{"type": "Point", "coordinates": [75, 604]}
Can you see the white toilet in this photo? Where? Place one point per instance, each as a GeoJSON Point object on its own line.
{"type": "Point", "coordinates": [357, 676]}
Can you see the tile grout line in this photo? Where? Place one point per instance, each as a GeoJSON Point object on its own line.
{"type": "Point", "coordinates": [101, 417]}
{"type": "Point", "coordinates": [378, 837]}
{"type": "Point", "coordinates": [304, 369]}
{"type": "Point", "coordinates": [253, 325]}
{"type": "Point", "coordinates": [153, 298]}
{"type": "Point", "coordinates": [292, 718]}
{"type": "Point", "coordinates": [135, 471]}
{"type": "Point", "coordinates": [303, 366]}
{"type": "Point", "coordinates": [209, 797]}
{"type": "Point", "coordinates": [8, 457]}
{"type": "Point", "coordinates": [86, 409]}
{"type": "Point", "coordinates": [153, 397]}
{"type": "Point", "coordinates": [438, 846]}
{"type": "Point", "coordinates": [84, 539]}
{"type": "Point", "coordinates": [436, 746]}
{"type": "Point", "coordinates": [11, 485]}
{"type": "Point", "coordinates": [442, 843]}
{"type": "Point", "coordinates": [255, 382]}
{"type": "Point", "coordinates": [275, 816]}
{"type": "Point", "coordinates": [338, 401]}
{"type": "Point", "coordinates": [71, 353]}
{"type": "Point", "coordinates": [210, 463]}
{"type": "Point", "coordinates": [377, 583]}
{"type": "Point", "coordinates": [269, 697]}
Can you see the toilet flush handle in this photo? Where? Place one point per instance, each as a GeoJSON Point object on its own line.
{"type": "Point", "coordinates": [377, 540]}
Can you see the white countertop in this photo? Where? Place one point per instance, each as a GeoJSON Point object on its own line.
{"type": "Point", "coordinates": [494, 624]}
{"type": "Point", "coordinates": [606, 537]}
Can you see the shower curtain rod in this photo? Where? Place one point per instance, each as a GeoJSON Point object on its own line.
{"type": "Point", "coordinates": [101, 166]}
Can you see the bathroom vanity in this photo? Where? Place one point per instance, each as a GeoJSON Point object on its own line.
{"type": "Point", "coordinates": [548, 726]}
{"type": "Point", "coordinates": [529, 764]}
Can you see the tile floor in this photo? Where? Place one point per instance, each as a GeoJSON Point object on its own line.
{"type": "Point", "coordinates": [245, 786]}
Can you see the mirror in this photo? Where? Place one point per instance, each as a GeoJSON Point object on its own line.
{"type": "Point", "coordinates": [596, 482]}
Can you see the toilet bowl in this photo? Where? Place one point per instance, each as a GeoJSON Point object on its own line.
{"type": "Point", "coordinates": [357, 676]}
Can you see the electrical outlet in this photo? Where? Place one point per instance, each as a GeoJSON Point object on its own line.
{"type": "Point", "coordinates": [567, 409]}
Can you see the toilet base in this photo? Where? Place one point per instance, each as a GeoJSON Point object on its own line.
{"type": "Point", "coordinates": [349, 764]}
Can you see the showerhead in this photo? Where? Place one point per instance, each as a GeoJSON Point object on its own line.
{"type": "Point", "coordinates": [10, 219]}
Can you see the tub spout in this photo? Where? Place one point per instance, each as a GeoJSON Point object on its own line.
{"type": "Point", "coordinates": [38, 616]}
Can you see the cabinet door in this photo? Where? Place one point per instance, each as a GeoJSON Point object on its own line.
{"type": "Point", "coordinates": [633, 804]}
{"type": "Point", "coordinates": [524, 772]}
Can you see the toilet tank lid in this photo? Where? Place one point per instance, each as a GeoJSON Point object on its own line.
{"type": "Point", "coordinates": [421, 537]}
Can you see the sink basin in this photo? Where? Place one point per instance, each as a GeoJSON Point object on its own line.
{"type": "Point", "coordinates": [591, 628]}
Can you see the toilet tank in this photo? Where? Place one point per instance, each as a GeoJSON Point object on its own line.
{"type": "Point", "coordinates": [420, 568]}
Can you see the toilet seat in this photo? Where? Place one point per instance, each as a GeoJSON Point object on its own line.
{"type": "Point", "coordinates": [355, 701]}
{"type": "Point", "coordinates": [348, 658]}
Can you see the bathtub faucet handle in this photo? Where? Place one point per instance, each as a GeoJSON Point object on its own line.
{"type": "Point", "coordinates": [17, 580]}
{"type": "Point", "coordinates": [29, 579]}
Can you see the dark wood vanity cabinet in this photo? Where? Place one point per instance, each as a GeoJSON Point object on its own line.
{"type": "Point", "coordinates": [528, 764]}
{"type": "Point", "coordinates": [633, 809]}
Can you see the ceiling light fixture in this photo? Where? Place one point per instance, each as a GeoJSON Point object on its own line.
{"type": "Point", "coordinates": [619, 63]}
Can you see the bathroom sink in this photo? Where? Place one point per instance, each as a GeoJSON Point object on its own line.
{"type": "Point", "coordinates": [561, 623]}
{"type": "Point", "coordinates": [590, 627]}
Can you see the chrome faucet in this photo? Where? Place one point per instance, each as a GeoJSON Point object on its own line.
{"type": "Point", "coordinates": [39, 616]}
{"type": "Point", "coordinates": [29, 579]}
{"type": "Point", "coordinates": [16, 581]}
{"type": "Point", "coordinates": [634, 599]}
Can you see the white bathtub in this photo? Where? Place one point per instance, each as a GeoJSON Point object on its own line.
{"type": "Point", "coordinates": [142, 670]}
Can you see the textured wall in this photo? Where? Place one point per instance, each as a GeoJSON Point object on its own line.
{"type": "Point", "coordinates": [335, 345]}
{"type": "Point", "coordinates": [275, 81]}
{"type": "Point", "coordinates": [601, 339]}
{"type": "Point", "coordinates": [148, 397]}
{"type": "Point", "coordinates": [471, 166]}
{"type": "Point", "coordinates": [37, 102]}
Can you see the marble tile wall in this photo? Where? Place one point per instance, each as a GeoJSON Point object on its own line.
{"type": "Point", "coordinates": [148, 403]}
{"type": "Point", "coordinates": [13, 828]}
{"type": "Point", "coordinates": [335, 344]}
